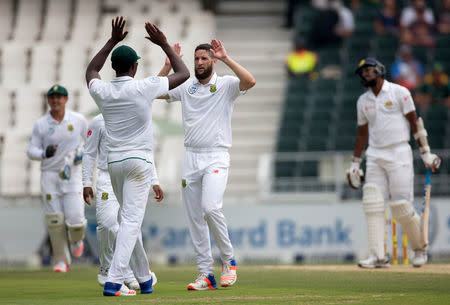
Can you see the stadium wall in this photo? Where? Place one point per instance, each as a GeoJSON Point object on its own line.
{"type": "Point", "coordinates": [278, 233]}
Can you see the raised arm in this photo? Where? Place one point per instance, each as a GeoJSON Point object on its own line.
{"type": "Point", "coordinates": [167, 67]}
{"type": "Point", "coordinates": [247, 80]}
{"type": "Point", "coordinates": [117, 35]}
{"type": "Point", "coordinates": [181, 72]}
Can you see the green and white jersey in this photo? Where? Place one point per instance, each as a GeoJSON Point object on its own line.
{"type": "Point", "coordinates": [68, 135]}
{"type": "Point", "coordinates": [126, 105]}
{"type": "Point", "coordinates": [207, 110]}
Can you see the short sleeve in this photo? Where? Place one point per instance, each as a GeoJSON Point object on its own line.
{"type": "Point", "coordinates": [96, 86]}
{"type": "Point", "coordinates": [175, 94]}
{"type": "Point", "coordinates": [362, 119]}
{"type": "Point", "coordinates": [405, 100]}
{"type": "Point", "coordinates": [156, 86]}
{"type": "Point", "coordinates": [233, 86]}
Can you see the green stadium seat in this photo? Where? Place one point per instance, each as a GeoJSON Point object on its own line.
{"type": "Point", "coordinates": [308, 169]}
{"type": "Point", "coordinates": [319, 128]}
{"type": "Point", "coordinates": [344, 142]}
{"type": "Point", "coordinates": [316, 143]}
{"type": "Point", "coordinates": [287, 144]}
{"type": "Point", "coordinates": [284, 169]}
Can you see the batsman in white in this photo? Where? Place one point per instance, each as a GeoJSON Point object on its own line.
{"type": "Point", "coordinates": [56, 141]}
{"type": "Point", "coordinates": [207, 104]}
{"type": "Point", "coordinates": [126, 105]}
{"type": "Point", "coordinates": [106, 204]}
{"type": "Point", "coordinates": [386, 112]}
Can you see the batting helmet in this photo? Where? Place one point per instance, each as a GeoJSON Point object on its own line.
{"type": "Point", "coordinates": [371, 62]}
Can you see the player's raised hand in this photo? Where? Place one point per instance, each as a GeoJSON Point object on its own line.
{"type": "Point", "coordinates": [177, 48]}
{"type": "Point", "coordinates": [117, 33]}
{"type": "Point", "coordinates": [155, 35]}
{"type": "Point", "coordinates": [159, 194]}
{"type": "Point", "coordinates": [218, 50]}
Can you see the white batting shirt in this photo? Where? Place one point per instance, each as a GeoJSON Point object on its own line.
{"type": "Point", "coordinates": [207, 109]}
{"type": "Point", "coordinates": [126, 105]}
{"type": "Point", "coordinates": [96, 146]}
{"type": "Point", "coordinates": [385, 114]}
{"type": "Point", "coordinates": [67, 135]}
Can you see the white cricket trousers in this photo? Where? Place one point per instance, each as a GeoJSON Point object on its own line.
{"type": "Point", "coordinates": [391, 169]}
{"type": "Point", "coordinates": [204, 178]}
{"type": "Point", "coordinates": [64, 196]}
{"type": "Point", "coordinates": [130, 174]}
{"type": "Point", "coordinates": [107, 210]}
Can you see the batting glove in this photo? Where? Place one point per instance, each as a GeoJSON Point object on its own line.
{"type": "Point", "coordinates": [354, 174]}
{"type": "Point", "coordinates": [431, 161]}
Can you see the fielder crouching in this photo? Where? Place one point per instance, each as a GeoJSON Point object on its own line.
{"type": "Point", "coordinates": [386, 112]}
{"type": "Point", "coordinates": [56, 142]}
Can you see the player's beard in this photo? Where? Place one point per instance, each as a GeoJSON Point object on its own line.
{"type": "Point", "coordinates": [368, 83]}
{"type": "Point", "coordinates": [206, 73]}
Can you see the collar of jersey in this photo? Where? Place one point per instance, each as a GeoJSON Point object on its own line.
{"type": "Point", "coordinates": [50, 119]}
{"type": "Point", "coordinates": [384, 88]}
{"type": "Point", "coordinates": [212, 81]}
{"type": "Point", "coordinates": [121, 79]}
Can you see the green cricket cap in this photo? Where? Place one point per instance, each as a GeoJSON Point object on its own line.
{"type": "Point", "coordinates": [57, 89]}
{"type": "Point", "coordinates": [124, 55]}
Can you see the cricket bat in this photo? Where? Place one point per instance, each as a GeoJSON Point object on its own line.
{"type": "Point", "coordinates": [426, 207]}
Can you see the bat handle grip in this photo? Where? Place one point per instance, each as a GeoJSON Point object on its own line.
{"type": "Point", "coordinates": [428, 177]}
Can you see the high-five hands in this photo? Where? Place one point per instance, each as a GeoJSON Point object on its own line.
{"type": "Point", "coordinates": [218, 50]}
{"type": "Point", "coordinates": [155, 35]}
{"type": "Point", "coordinates": [117, 33]}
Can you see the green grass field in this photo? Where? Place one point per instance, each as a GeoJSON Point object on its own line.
{"type": "Point", "coordinates": [256, 285]}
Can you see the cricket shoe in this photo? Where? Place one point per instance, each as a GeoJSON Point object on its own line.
{"type": "Point", "coordinates": [420, 258]}
{"type": "Point", "coordinates": [102, 276]}
{"type": "Point", "coordinates": [132, 283]}
{"type": "Point", "coordinates": [229, 276]}
{"type": "Point", "coordinates": [203, 282]}
{"type": "Point", "coordinates": [147, 287]}
{"type": "Point", "coordinates": [77, 248]}
{"type": "Point", "coordinates": [61, 267]}
{"type": "Point", "coordinates": [116, 290]}
{"type": "Point", "coordinates": [374, 262]}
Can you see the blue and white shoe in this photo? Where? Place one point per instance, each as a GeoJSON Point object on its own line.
{"type": "Point", "coordinates": [203, 282]}
{"type": "Point", "coordinates": [229, 273]}
{"type": "Point", "coordinates": [147, 287]}
{"type": "Point", "coordinates": [116, 290]}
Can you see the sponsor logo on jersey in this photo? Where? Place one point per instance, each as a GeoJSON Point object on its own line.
{"type": "Point", "coordinates": [183, 183]}
{"type": "Point", "coordinates": [192, 89]}
{"type": "Point", "coordinates": [48, 197]}
{"type": "Point", "coordinates": [388, 104]}
{"type": "Point", "coordinates": [70, 127]}
{"type": "Point", "coordinates": [154, 79]}
{"type": "Point", "coordinates": [104, 196]}
{"type": "Point", "coordinates": [216, 171]}
{"type": "Point", "coordinates": [89, 133]}
{"type": "Point", "coordinates": [406, 98]}
{"type": "Point", "coordinates": [212, 88]}
{"type": "Point", "coordinates": [366, 108]}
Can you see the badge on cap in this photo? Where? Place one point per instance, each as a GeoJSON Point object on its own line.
{"type": "Point", "coordinates": [70, 127]}
{"type": "Point", "coordinates": [362, 62]}
{"type": "Point", "coordinates": [212, 88]}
